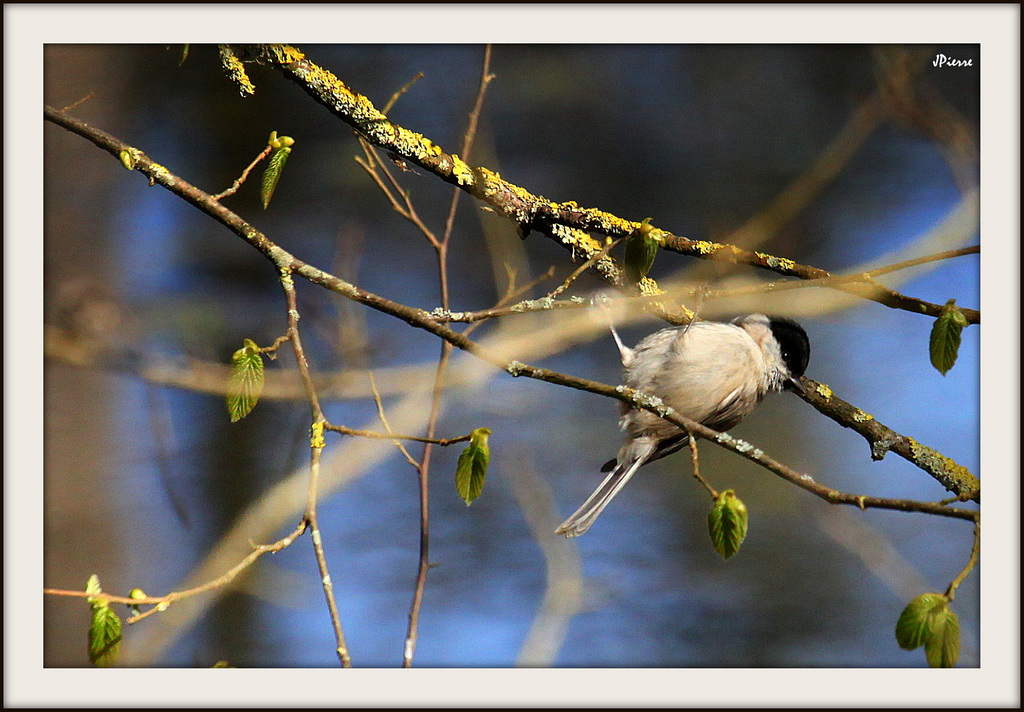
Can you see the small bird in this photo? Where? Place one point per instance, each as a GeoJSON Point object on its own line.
{"type": "Point", "coordinates": [712, 372]}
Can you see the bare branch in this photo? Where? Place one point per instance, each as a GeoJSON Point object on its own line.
{"type": "Point", "coordinates": [424, 320]}
{"type": "Point", "coordinates": [160, 603]}
{"type": "Point", "coordinates": [355, 432]}
{"type": "Point", "coordinates": [316, 449]}
{"type": "Point", "coordinates": [384, 420]}
{"type": "Point", "coordinates": [695, 462]}
{"type": "Point", "coordinates": [398, 94]}
{"type": "Point", "coordinates": [245, 174]}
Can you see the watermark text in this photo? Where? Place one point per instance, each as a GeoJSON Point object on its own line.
{"type": "Point", "coordinates": [942, 60]}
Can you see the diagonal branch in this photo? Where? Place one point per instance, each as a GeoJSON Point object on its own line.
{"type": "Point", "coordinates": [955, 478]}
{"type": "Point", "coordinates": [423, 320]}
{"type": "Point", "coordinates": [567, 223]}
{"type": "Point", "coordinates": [160, 603]}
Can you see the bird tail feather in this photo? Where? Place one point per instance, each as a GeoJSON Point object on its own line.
{"type": "Point", "coordinates": [584, 517]}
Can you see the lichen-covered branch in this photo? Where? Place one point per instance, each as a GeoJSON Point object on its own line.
{"type": "Point", "coordinates": [425, 320]}
{"type": "Point", "coordinates": [567, 223]}
{"type": "Point", "coordinates": [954, 477]}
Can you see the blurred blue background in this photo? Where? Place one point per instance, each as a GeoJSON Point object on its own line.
{"type": "Point", "coordinates": [143, 480]}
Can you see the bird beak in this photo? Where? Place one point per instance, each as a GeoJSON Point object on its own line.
{"type": "Point", "coordinates": [794, 384]}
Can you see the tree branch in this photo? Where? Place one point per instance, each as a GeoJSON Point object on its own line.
{"type": "Point", "coordinates": [316, 449]}
{"type": "Point", "coordinates": [160, 603]}
{"type": "Point", "coordinates": [567, 223]}
{"type": "Point", "coordinates": [955, 478]}
{"type": "Point", "coordinates": [424, 320]}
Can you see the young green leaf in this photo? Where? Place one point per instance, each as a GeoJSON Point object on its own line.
{"type": "Point", "coordinates": [246, 382]}
{"type": "Point", "coordinates": [92, 587]}
{"type": "Point", "coordinates": [916, 623]}
{"type": "Point", "coordinates": [942, 649]}
{"type": "Point", "coordinates": [282, 147]}
{"type": "Point", "coordinates": [105, 628]}
{"type": "Point", "coordinates": [944, 344]}
{"type": "Point", "coordinates": [641, 250]}
{"type": "Point", "coordinates": [104, 636]}
{"type": "Point", "coordinates": [472, 468]}
{"type": "Point", "coordinates": [727, 523]}
{"type": "Point", "coordinates": [928, 621]}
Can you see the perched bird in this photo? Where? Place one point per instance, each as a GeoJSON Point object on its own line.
{"type": "Point", "coordinates": [711, 372]}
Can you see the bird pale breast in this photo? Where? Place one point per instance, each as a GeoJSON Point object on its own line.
{"type": "Point", "coordinates": [717, 397]}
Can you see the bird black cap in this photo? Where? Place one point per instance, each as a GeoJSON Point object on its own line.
{"type": "Point", "coordinates": [793, 342]}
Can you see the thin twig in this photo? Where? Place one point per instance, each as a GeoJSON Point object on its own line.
{"type": "Point", "coordinates": [971, 563]}
{"type": "Point", "coordinates": [834, 280]}
{"type": "Point", "coordinates": [423, 565]}
{"type": "Point", "coordinates": [78, 103]}
{"type": "Point", "coordinates": [387, 426]}
{"type": "Point", "coordinates": [441, 246]}
{"type": "Point", "coordinates": [547, 304]}
{"type": "Point", "coordinates": [591, 261]}
{"type": "Point", "coordinates": [948, 254]}
{"type": "Point", "coordinates": [321, 558]}
{"type": "Point", "coordinates": [159, 603]}
{"type": "Point", "coordinates": [511, 293]}
{"type": "Point", "coordinates": [864, 289]}
{"type": "Point", "coordinates": [355, 432]}
{"type": "Point", "coordinates": [271, 350]}
{"type": "Point", "coordinates": [366, 165]}
{"type": "Point", "coordinates": [406, 208]}
{"type": "Point", "coordinates": [245, 174]}
{"type": "Point", "coordinates": [695, 461]}
{"type": "Point", "coordinates": [397, 95]}
{"type": "Point", "coordinates": [316, 449]}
